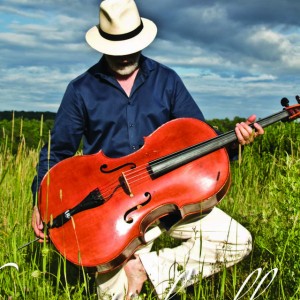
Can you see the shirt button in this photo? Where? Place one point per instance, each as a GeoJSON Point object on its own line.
{"type": "Point", "coordinates": [131, 125]}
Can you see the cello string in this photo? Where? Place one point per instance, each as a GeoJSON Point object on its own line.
{"type": "Point", "coordinates": [133, 178]}
{"type": "Point", "coordinates": [109, 189]}
{"type": "Point", "coordinates": [146, 168]}
{"type": "Point", "coordinates": [208, 145]}
{"type": "Point", "coordinates": [142, 172]}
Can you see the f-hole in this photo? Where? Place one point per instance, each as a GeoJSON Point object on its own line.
{"type": "Point", "coordinates": [127, 218]}
{"type": "Point", "coordinates": [104, 168]}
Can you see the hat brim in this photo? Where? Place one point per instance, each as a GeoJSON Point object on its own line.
{"type": "Point", "coordinates": [129, 46]}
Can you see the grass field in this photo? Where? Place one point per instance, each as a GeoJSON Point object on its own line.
{"type": "Point", "coordinates": [264, 197]}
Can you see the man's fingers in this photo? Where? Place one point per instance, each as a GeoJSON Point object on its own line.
{"type": "Point", "coordinates": [37, 225]}
{"type": "Point", "coordinates": [244, 133]}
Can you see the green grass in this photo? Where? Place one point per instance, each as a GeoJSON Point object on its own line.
{"type": "Point", "coordinates": [264, 197]}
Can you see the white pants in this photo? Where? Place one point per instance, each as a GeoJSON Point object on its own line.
{"type": "Point", "coordinates": [209, 244]}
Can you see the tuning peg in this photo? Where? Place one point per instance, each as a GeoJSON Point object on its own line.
{"type": "Point", "coordinates": [285, 102]}
{"type": "Point", "coordinates": [298, 99]}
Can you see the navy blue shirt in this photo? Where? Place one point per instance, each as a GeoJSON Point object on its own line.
{"type": "Point", "coordinates": [97, 109]}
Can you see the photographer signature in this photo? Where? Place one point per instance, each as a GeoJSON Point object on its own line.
{"type": "Point", "coordinates": [188, 276]}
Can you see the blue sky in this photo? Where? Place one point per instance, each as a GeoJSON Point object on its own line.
{"type": "Point", "coordinates": [236, 57]}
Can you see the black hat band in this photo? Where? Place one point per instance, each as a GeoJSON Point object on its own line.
{"type": "Point", "coordinates": [121, 37]}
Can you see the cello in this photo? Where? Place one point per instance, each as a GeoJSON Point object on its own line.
{"type": "Point", "coordinates": [97, 209]}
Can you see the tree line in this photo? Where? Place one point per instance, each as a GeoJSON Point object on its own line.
{"type": "Point", "coordinates": [21, 127]}
{"type": "Point", "coordinates": [30, 115]}
{"type": "Point", "coordinates": [33, 127]}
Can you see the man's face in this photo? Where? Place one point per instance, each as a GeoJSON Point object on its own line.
{"type": "Point", "coordinates": [125, 64]}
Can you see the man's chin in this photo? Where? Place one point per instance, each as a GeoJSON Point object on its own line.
{"type": "Point", "coordinates": [125, 70]}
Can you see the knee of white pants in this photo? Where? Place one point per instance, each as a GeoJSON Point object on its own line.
{"type": "Point", "coordinates": [217, 225]}
{"type": "Point", "coordinates": [217, 233]}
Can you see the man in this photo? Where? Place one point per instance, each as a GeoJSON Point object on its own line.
{"type": "Point", "coordinates": [113, 106]}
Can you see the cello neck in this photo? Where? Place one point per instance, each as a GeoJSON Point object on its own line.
{"type": "Point", "coordinates": [175, 160]}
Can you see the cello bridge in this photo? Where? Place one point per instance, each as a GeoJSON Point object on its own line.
{"type": "Point", "coordinates": [125, 185]}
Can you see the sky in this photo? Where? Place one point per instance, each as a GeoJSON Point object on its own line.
{"type": "Point", "coordinates": [236, 57]}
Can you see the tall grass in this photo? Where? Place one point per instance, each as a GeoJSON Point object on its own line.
{"type": "Point", "coordinates": [264, 197]}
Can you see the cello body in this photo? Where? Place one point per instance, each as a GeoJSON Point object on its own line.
{"type": "Point", "coordinates": [132, 192]}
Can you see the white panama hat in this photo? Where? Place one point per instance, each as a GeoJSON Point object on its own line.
{"type": "Point", "coordinates": [121, 30]}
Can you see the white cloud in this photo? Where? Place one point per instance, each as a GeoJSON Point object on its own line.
{"type": "Point", "coordinates": [37, 87]}
{"type": "Point", "coordinates": [19, 12]}
{"type": "Point", "coordinates": [268, 44]}
{"type": "Point", "coordinates": [15, 39]}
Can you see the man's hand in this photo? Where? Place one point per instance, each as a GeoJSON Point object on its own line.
{"type": "Point", "coordinates": [245, 133]}
{"type": "Point", "coordinates": [37, 225]}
